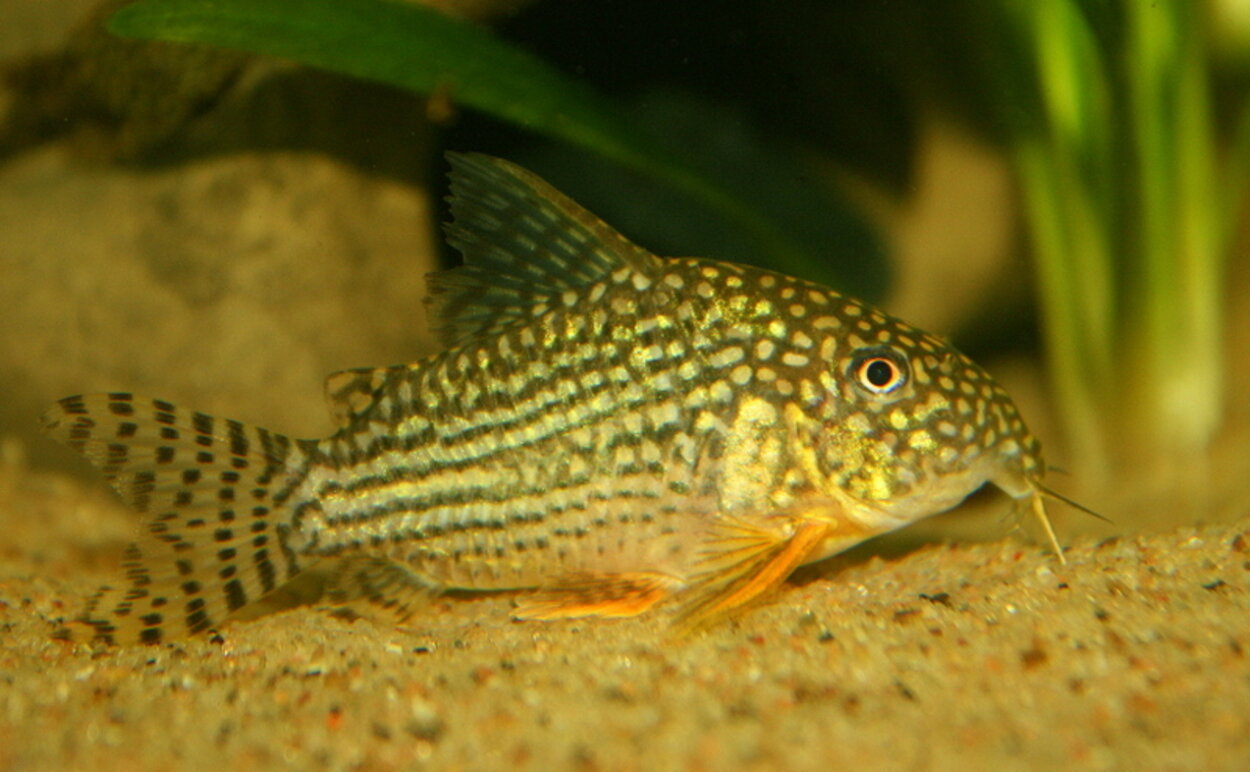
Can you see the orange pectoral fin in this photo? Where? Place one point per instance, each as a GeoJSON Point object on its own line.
{"type": "Point", "coordinates": [744, 565]}
{"type": "Point", "coordinates": [596, 595]}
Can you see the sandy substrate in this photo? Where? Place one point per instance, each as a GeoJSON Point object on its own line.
{"type": "Point", "coordinates": [990, 656]}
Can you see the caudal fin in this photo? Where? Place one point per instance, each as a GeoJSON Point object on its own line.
{"type": "Point", "coordinates": [217, 496]}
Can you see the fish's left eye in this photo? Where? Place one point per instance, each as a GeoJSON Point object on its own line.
{"type": "Point", "coordinates": [880, 371]}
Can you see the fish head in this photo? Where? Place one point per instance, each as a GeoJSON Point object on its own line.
{"type": "Point", "coordinates": [917, 426]}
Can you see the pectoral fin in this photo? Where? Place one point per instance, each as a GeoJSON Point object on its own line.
{"type": "Point", "coordinates": [742, 563]}
{"type": "Point", "coordinates": [597, 595]}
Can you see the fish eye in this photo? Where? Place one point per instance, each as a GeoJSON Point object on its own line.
{"type": "Point", "coordinates": [879, 371]}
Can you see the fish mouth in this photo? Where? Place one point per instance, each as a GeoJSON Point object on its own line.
{"type": "Point", "coordinates": [1016, 484]}
{"type": "Point", "coordinates": [1018, 477]}
{"type": "Point", "coordinates": [1025, 487]}
{"type": "Point", "coordinates": [940, 496]}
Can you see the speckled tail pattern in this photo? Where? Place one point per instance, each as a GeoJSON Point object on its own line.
{"type": "Point", "coordinates": [215, 495]}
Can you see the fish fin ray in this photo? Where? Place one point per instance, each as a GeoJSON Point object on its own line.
{"type": "Point", "coordinates": [350, 393]}
{"type": "Point", "coordinates": [523, 242]}
{"type": "Point", "coordinates": [377, 584]}
{"type": "Point", "coordinates": [741, 564]}
{"type": "Point", "coordinates": [596, 595]}
{"type": "Point", "coordinates": [219, 526]}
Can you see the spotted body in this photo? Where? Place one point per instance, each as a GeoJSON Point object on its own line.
{"type": "Point", "coordinates": [605, 427]}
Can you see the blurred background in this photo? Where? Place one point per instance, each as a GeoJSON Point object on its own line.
{"type": "Point", "coordinates": [1058, 186]}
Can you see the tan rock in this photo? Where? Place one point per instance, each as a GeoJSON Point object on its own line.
{"type": "Point", "coordinates": [232, 285]}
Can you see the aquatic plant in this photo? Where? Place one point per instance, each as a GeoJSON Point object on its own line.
{"type": "Point", "coordinates": [425, 51]}
{"type": "Point", "coordinates": [1107, 114]}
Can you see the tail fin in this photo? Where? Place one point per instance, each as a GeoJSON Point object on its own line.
{"type": "Point", "coordinates": [217, 496]}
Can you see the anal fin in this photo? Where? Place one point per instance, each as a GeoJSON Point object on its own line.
{"type": "Point", "coordinates": [597, 595]}
{"type": "Point", "coordinates": [377, 584]}
{"type": "Point", "coordinates": [742, 563]}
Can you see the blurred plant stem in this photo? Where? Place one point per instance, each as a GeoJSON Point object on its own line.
{"type": "Point", "coordinates": [1175, 303]}
{"type": "Point", "coordinates": [1108, 118]}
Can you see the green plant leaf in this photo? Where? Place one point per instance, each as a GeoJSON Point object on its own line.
{"type": "Point", "coordinates": [421, 50]}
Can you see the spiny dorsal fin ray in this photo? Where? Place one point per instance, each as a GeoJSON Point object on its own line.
{"type": "Point", "coordinates": [219, 522]}
{"type": "Point", "coordinates": [523, 242]}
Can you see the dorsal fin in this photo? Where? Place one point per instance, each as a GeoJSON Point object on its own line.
{"type": "Point", "coordinates": [523, 242]}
